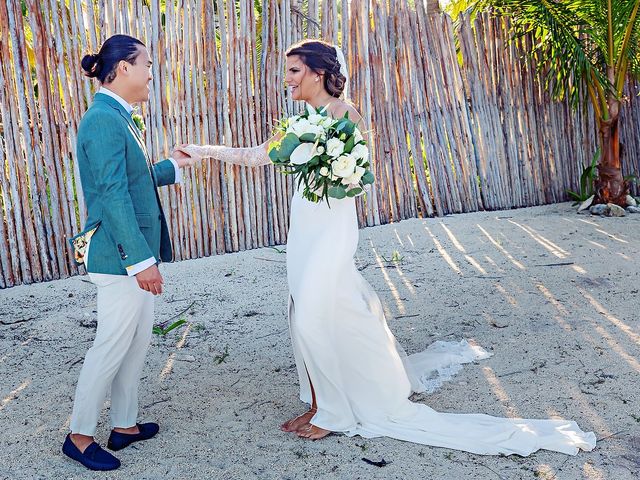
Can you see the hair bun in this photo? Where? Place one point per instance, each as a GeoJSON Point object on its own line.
{"type": "Point", "coordinates": [91, 64]}
{"type": "Point", "coordinates": [335, 83]}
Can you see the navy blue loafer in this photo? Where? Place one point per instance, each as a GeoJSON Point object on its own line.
{"type": "Point", "coordinates": [93, 457]}
{"type": "Point", "coordinates": [118, 441]}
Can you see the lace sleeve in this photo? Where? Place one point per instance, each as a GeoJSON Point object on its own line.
{"type": "Point", "coordinates": [248, 157]}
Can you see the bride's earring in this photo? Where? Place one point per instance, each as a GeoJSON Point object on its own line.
{"type": "Point", "coordinates": [317, 79]}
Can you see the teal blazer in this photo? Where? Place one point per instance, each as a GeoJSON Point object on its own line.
{"type": "Point", "coordinates": [120, 190]}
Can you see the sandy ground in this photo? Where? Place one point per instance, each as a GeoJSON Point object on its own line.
{"type": "Point", "coordinates": [552, 294]}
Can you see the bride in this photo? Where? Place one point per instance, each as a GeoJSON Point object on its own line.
{"type": "Point", "coordinates": [353, 374]}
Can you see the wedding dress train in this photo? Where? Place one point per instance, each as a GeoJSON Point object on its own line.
{"type": "Point", "coordinates": [361, 376]}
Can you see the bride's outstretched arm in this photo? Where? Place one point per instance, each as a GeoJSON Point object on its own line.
{"type": "Point", "coordinates": [248, 156]}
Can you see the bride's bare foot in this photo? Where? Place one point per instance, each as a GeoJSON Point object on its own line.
{"type": "Point", "coordinates": [312, 432]}
{"type": "Point", "coordinates": [295, 423]}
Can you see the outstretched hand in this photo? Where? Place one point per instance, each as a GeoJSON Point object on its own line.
{"type": "Point", "coordinates": [182, 156]}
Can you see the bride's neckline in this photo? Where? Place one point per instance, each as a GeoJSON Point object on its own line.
{"type": "Point", "coordinates": [323, 108]}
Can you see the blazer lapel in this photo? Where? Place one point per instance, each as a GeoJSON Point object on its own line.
{"type": "Point", "coordinates": [132, 127]}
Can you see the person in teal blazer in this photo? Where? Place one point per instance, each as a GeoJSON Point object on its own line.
{"type": "Point", "coordinates": [121, 196]}
{"type": "Point", "coordinates": [124, 239]}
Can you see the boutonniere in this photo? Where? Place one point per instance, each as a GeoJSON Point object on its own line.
{"type": "Point", "coordinates": [139, 121]}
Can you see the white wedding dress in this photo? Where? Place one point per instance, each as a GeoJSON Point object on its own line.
{"type": "Point", "coordinates": [361, 377]}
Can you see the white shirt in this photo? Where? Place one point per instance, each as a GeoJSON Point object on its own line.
{"type": "Point", "coordinates": [143, 265]}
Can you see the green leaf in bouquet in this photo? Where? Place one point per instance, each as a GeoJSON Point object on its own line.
{"type": "Point", "coordinates": [349, 128]}
{"type": "Point", "coordinates": [337, 192]}
{"type": "Point", "coordinates": [288, 144]}
{"type": "Point", "coordinates": [340, 125]}
{"type": "Point", "coordinates": [367, 178]}
{"type": "Point", "coordinates": [282, 125]}
{"type": "Point", "coordinates": [319, 180]}
{"type": "Point", "coordinates": [308, 137]}
{"type": "Point", "coordinates": [274, 155]}
{"type": "Point", "coordinates": [314, 161]}
{"type": "Point", "coordinates": [302, 178]}
{"type": "Point", "coordinates": [346, 126]}
{"type": "Point", "coordinates": [302, 168]}
{"type": "Point", "coordinates": [354, 191]}
{"type": "Point", "coordinates": [343, 119]}
{"type": "Point", "coordinates": [348, 146]}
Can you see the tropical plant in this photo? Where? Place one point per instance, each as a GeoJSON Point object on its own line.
{"type": "Point", "coordinates": [162, 328]}
{"type": "Point", "coordinates": [455, 7]}
{"type": "Point", "coordinates": [584, 49]}
{"type": "Point", "coordinates": [587, 182]}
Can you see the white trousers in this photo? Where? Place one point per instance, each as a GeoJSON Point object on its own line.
{"type": "Point", "coordinates": [116, 359]}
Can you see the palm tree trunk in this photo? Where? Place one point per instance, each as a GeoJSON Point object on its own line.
{"type": "Point", "coordinates": [610, 185]}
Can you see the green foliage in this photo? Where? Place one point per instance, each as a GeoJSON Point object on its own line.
{"type": "Point", "coordinates": [368, 178]}
{"type": "Point", "coordinates": [456, 7]}
{"type": "Point", "coordinates": [162, 330]}
{"type": "Point", "coordinates": [338, 192]}
{"type": "Point", "coordinates": [315, 174]}
{"type": "Point", "coordinates": [587, 182]}
{"type": "Point", "coordinates": [395, 257]}
{"type": "Point", "coordinates": [581, 47]}
{"type": "Point", "coordinates": [288, 144]}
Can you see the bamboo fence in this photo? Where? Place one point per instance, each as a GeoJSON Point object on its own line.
{"type": "Point", "coordinates": [457, 121]}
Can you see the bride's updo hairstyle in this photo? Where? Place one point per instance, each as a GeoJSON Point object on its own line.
{"type": "Point", "coordinates": [322, 59]}
{"type": "Point", "coordinates": [103, 65]}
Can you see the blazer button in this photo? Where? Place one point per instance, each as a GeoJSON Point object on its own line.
{"type": "Point", "coordinates": [160, 217]}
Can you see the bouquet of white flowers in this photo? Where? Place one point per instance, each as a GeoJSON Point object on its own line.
{"type": "Point", "coordinates": [329, 156]}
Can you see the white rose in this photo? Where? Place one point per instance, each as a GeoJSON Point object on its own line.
{"type": "Point", "coordinates": [335, 147]}
{"type": "Point", "coordinates": [355, 178]}
{"type": "Point", "coordinates": [358, 136]}
{"type": "Point", "coordinates": [316, 130]}
{"type": "Point", "coordinates": [361, 152]}
{"type": "Point", "coordinates": [320, 149]}
{"type": "Point", "coordinates": [326, 122]}
{"type": "Point", "coordinates": [316, 119]}
{"type": "Point", "coordinates": [319, 132]}
{"type": "Point", "coordinates": [303, 126]}
{"type": "Point", "coordinates": [298, 127]}
{"type": "Point", "coordinates": [303, 153]}
{"type": "Point", "coordinates": [324, 171]}
{"type": "Point", "coordinates": [293, 120]}
{"type": "Point", "coordinates": [344, 166]}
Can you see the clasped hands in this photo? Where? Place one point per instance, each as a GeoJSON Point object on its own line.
{"type": "Point", "coordinates": [183, 157]}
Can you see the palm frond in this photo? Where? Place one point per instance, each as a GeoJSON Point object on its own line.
{"type": "Point", "coordinates": [568, 42]}
{"type": "Point", "coordinates": [627, 45]}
